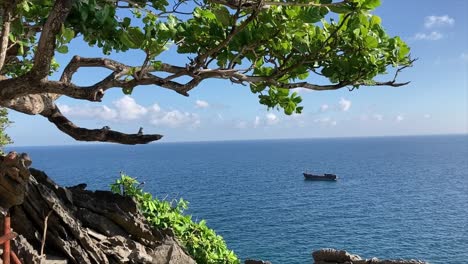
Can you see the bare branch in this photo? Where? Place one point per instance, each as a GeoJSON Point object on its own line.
{"type": "Point", "coordinates": [78, 62]}
{"type": "Point", "coordinates": [46, 46]}
{"type": "Point", "coordinates": [102, 135]}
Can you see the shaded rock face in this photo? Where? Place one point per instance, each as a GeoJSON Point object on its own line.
{"type": "Point", "coordinates": [84, 226]}
{"type": "Point", "coordinates": [14, 176]}
{"type": "Point", "coordinates": [333, 256]}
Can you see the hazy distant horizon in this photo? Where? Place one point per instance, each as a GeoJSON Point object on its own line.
{"type": "Point", "coordinates": [80, 143]}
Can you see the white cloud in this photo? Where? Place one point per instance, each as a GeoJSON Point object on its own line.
{"type": "Point", "coordinates": [128, 109]}
{"type": "Point", "coordinates": [241, 125]}
{"type": "Point", "coordinates": [344, 104]}
{"type": "Point", "coordinates": [399, 118]}
{"type": "Point", "coordinates": [268, 120]}
{"type": "Point", "coordinates": [324, 107]}
{"type": "Point", "coordinates": [174, 118]}
{"type": "Point", "coordinates": [257, 121]}
{"type": "Point", "coordinates": [88, 112]}
{"type": "Point", "coordinates": [438, 21]}
{"type": "Point", "coordinates": [427, 116]}
{"type": "Point", "coordinates": [434, 35]}
{"type": "Point", "coordinates": [201, 104]}
{"type": "Point", "coordinates": [155, 108]}
{"type": "Point", "coordinates": [107, 113]}
{"type": "Point", "coordinates": [271, 119]}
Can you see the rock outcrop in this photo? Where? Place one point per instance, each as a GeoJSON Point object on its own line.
{"type": "Point", "coordinates": [333, 256]}
{"type": "Point", "coordinates": [253, 261]}
{"type": "Point", "coordinates": [14, 178]}
{"type": "Point", "coordinates": [81, 226]}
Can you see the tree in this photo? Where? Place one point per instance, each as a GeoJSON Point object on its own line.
{"type": "Point", "coordinates": [4, 123]}
{"type": "Point", "coordinates": [272, 46]}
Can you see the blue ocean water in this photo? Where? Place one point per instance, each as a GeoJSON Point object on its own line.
{"type": "Point", "coordinates": [397, 197]}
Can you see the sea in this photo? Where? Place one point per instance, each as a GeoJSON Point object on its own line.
{"type": "Point", "coordinates": [396, 197]}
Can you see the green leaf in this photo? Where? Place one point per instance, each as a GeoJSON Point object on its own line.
{"type": "Point", "coordinates": [126, 22]}
{"type": "Point", "coordinates": [68, 34]}
{"type": "Point", "coordinates": [311, 15]}
{"type": "Point", "coordinates": [371, 42]}
{"type": "Point", "coordinates": [83, 13]}
{"type": "Point", "coordinates": [223, 16]}
{"type": "Point", "coordinates": [375, 20]}
{"type": "Point", "coordinates": [25, 6]}
{"type": "Point", "coordinates": [127, 91]}
{"type": "Point", "coordinates": [126, 41]}
{"type": "Point", "coordinates": [62, 49]}
{"type": "Point", "coordinates": [207, 14]}
{"type": "Point", "coordinates": [342, 9]}
{"type": "Point", "coordinates": [21, 50]}
{"type": "Point", "coordinates": [370, 4]}
{"type": "Point", "coordinates": [157, 65]}
{"type": "Point", "coordinates": [136, 36]}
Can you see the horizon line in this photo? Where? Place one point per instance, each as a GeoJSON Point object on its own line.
{"type": "Point", "coordinates": [78, 144]}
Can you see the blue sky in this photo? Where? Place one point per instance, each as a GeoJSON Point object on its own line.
{"type": "Point", "coordinates": [434, 103]}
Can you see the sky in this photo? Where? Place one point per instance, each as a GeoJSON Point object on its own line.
{"type": "Point", "coordinates": [435, 102]}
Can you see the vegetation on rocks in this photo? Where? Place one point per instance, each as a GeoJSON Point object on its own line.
{"type": "Point", "coordinates": [201, 242]}
{"type": "Point", "coordinates": [4, 123]}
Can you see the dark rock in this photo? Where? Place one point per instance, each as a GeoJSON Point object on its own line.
{"type": "Point", "coordinates": [25, 252]}
{"type": "Point", "coordinates": [14, 177]}
{"type": "Point", "coordinates": [252, 261]}
{"type": "Point", "coordinates": [333, 256]}
{"type": "Point", "coordinates": [80, 186]}
{"type": "Point", "coordinates": [26, 159]}
{"type": "Point", "coordinates": [82, 226]}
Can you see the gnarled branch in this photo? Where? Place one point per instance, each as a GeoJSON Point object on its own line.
{"type": "Point", "coordinates": [102, 135]}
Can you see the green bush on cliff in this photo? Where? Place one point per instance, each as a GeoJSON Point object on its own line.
{"type": "Point", "coordinates": [201, 242]}
{"type": "Point", "coordinates": [4, 123]}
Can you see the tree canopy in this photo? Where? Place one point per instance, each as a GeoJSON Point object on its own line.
{"type": "Point", "coordinates": [271, 47]}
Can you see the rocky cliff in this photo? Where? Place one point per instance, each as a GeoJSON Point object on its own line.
{"type": "Point", "coordinates": [81, 226]}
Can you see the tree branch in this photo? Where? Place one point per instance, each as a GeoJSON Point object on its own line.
{"type": "Point", "coordinates": [266, 4]}
{"type": "Point", "coordinates": [234, 31]}
{"type": "Point", "coordinates": [7, 17]}
{"type": "Point", "coordinates": [46, 47]}
{"type": "Point", "coordinates": [102, 135]}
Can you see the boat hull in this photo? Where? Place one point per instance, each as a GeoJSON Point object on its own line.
{"type": "Point", "coordinates": [326, 177]}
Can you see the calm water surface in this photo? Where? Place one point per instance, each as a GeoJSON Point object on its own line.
{"type": "Point", "coordinates": [398, 197]}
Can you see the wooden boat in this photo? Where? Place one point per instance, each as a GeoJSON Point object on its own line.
{"type": "Point", "coordinates": [324, 177]}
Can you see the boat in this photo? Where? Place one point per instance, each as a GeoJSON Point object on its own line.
{"type": "Point", "coordinates": [324, 177]}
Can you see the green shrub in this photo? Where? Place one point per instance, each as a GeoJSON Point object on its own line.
{"type": "Point", "coordinates": [201, 242]}
{"type": "Point", "coordinates": [4, 123]}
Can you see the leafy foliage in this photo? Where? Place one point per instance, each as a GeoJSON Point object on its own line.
{"type": "Point", "coordinates": [4, 123]}
{"type": "Point", "coordinates": [272, 46]}
{"type": "Point", "coordinates": [202, 243]}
